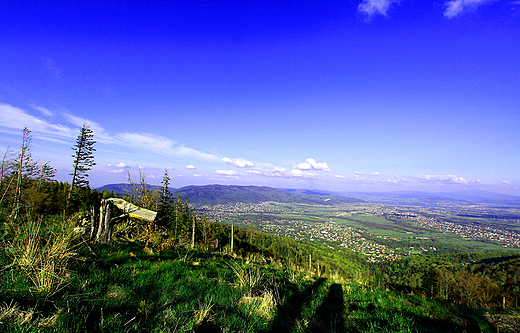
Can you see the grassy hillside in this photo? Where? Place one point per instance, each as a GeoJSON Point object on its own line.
{"type": "Point", "coordinates": [51, 281]}
{"type": "Point", "coordinates": [126, 289]}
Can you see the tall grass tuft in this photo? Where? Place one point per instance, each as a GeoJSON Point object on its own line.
{"type": "Point", "coordinates": [263, 306]}
{"type": "Point", "coordinates": [203, 311]}
{"type": "Point", "coordinates": [43, 257]}
{"type": "Point", "coordinates": [247, 277]}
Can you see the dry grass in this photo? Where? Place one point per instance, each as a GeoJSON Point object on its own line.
{"type": "Point", "coordinates": [202, 313]}
{"type": "Point", "coordinates": [12, 313]}
{"type": "Point", "coordinates": [43, 258]}
{"type": "Point", "coordinates": [263, 306]}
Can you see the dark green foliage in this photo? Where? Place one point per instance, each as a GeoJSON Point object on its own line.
{"type": "Point", "coordinates": [83, 157]}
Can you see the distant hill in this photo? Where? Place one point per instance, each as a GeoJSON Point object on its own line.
{"type": "Point", "coordinates": [417, 197]}
{"type": "Point", "coordinates": [229, 194]}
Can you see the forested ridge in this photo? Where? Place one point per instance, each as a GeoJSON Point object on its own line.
{"type": "Point", "coordinates": [58, 274]}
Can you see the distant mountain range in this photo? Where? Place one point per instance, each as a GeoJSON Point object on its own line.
{"type": "Point", "coordinates": [464, 196]}
{"type": "Point", "coordinates": [229, 194]}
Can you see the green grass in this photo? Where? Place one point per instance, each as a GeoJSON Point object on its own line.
{"type": "Point", "coordinates": [123, 289]}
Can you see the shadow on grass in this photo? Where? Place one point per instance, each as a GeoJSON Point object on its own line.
{"type": "Point", "coordinates": [291, 309]}
{"type": "Point", "coordinates": [329, 316]}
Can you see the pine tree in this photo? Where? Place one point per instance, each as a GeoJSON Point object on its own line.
{"type": "Point", "coordinates": [83, 159]}
{"type": "Point", "coordinates": [166, 209]}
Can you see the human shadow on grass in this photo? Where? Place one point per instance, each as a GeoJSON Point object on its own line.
{"type": "Point", "coordinates": [329, 317]}
{"type": "Point", "coordinates": [290, 311]}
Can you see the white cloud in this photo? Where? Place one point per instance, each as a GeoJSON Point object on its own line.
{"type": "Point", "coordinates": [442, 179]}
{"type": "Point", "coordinates": [457, 7]}
{"type": "Point", "coordinates": [282, 172]}
{"type": "Point", "coordinates": [339, 176]}
{"type": "Point", "coordinates": [506, 182]}
{"type": "Point", "coordinates": [121, 165]}
{"type": "Point", "coordinates": [371, 7]}
{"type": "Point", "coordinates": [311, 164]}
{"type": "Point", "coordinates": [227, 172]}
{"type": "Point", "coordinates": [256, 171]}
{"type": "Point", "coordinates": [241, 163]}
{"type": "Point", "coordinates": [190, 166]}
{"type": "Point", "coordinates": [116, 171]}
{"type": "Point", "coordinates": [375, 173]}
{"type": "Point", "coordinates": [197, 175]}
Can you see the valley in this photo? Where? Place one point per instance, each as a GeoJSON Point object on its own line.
{"type": "Point", "coordinates": [381, 231]}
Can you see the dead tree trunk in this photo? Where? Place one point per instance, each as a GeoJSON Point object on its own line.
{"type": "Point", "coordinates": [104, 231]}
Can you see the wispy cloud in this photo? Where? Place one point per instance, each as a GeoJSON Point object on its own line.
{"type": "Point", "coordinates": [311, 164]}
{"type": "Point", "coordinates": [190, 166]}
{"type": "Point", "coordinates": [13, 119]}
{"type": "Point", "coordinates": [100, 132]}
{"type": "Point", "coordinates": [148, 141]}
{"type": "Point", "coordinates": [372, 173]}
{"type": "Point", "coordinates": [161, 145]}
{"type": "Point", "coordinates": [442, 179]}
{"type": "Point", "coordinates": [457, 7]}
{"type": "Point", "coordinates": [46, 112]}
{"type": "Point", "coordinates": [52, 68]}
{"type": "Point", "coordinates": [372, 7]}
{"type": "Point", "coordinates": [241, 163]}
{"type": "Point", "coordinates": [116, 171]}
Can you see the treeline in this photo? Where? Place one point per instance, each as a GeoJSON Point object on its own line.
{"type": "Point", "coordinates": [476, 279]}
{"type": "Point", "coordinates": [28, 188]}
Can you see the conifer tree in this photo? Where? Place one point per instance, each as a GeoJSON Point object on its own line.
{"type": "Point", "coordinates": [83, 159]}
{"type": "Point", "coordinates": [166, 206]}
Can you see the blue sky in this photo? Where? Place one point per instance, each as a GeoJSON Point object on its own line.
{"type": "Point", "coordinates": [372, 95]}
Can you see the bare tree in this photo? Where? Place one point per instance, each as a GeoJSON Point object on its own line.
{"type": "Point", "coordinates": [25, 167]}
